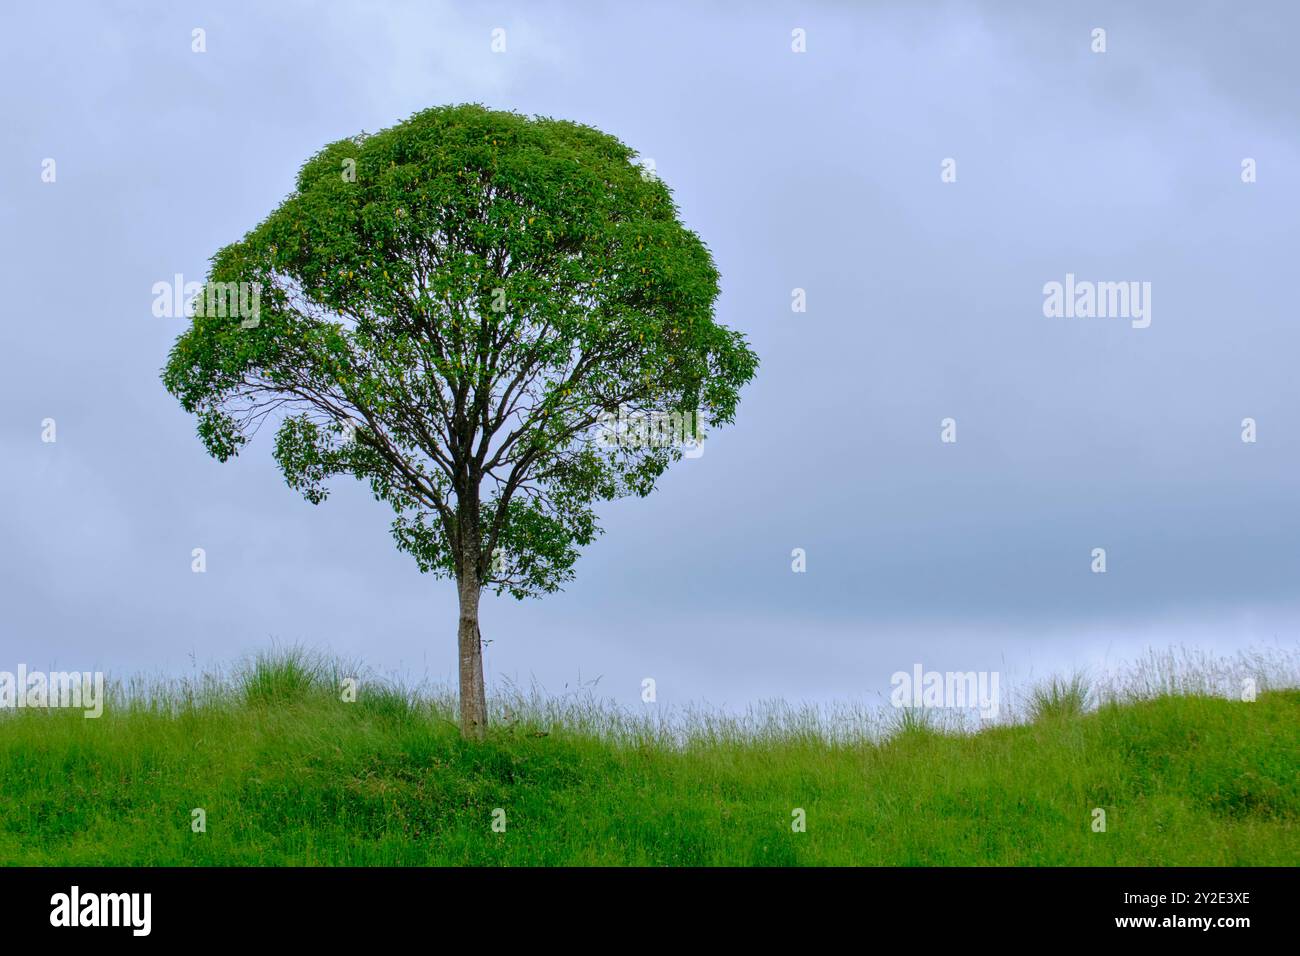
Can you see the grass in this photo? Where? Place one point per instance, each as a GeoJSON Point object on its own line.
{"type": "Point", "coordinates": [287, 773]}
{"type": "Point", "coordinates": [1060, 699]}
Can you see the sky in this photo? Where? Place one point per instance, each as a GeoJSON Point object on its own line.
{"type": "Point", "coordinates": [920, 170]}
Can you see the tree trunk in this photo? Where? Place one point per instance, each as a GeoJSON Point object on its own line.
{"type": "Point", "coordinates": [473, 696]}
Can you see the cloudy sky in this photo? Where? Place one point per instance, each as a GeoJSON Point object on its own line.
{"type": "Point", "coordinates": [820, 171]}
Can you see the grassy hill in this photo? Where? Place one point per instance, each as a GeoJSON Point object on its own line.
{"type": "Point", "coordinates": [288, 774]}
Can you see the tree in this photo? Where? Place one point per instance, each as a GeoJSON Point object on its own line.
{"type": "Point", "coordinates": [488, 318]}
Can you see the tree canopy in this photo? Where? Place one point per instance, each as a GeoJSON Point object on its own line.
{"type": "Point", "coordinates": [446, 309]}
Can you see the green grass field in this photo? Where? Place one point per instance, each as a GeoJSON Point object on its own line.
{"type": "Point", "coordinates": [288, 774]}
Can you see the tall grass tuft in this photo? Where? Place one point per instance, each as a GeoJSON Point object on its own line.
{"type": "Point", "coordinates": [290, 676]}
{"type": "Point", "coordinates": [914, 722]}
{"type": "Point", "coordinates": [1061, 698]}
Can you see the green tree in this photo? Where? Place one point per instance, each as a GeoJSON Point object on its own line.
{"type": "Point", "coordinates": [466, 311]}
